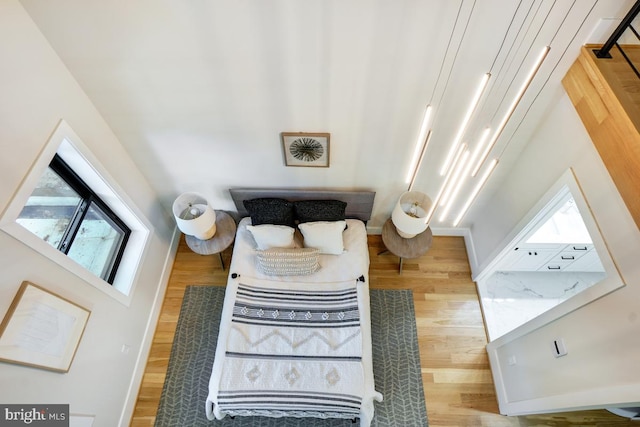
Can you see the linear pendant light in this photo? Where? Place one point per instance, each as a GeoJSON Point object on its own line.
{"type": "Point", "coordinates": [420, 148]}
{"type": "Point", "coordinates": [455, 177]}
{"type": "Point", "coordinates": [476, 190]}
{"type": "Point", "coordinates": [456, 189]}
{"type": "Point", "coordinates": [464, 176]}
{"type": "Point", "coordinates": [435, 203]}
{"type": "Point", "coordinates": [532, 73]}
{"type": "Point", "coordinates": [456, 185]}
{"type": "Point", "coordinates": [419, 164]}
{"type": "Point", "coordinates": [479, 146]}
{"type": "Point", "coordinates": [465, 122]}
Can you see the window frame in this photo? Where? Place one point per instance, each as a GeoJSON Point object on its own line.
{"type": "Point", "coordinates": [68, 145]}
{"type": "Point", "coordinates": [88, 198]}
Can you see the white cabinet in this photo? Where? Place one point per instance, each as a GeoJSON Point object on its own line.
{"type": "Point", "coordinates": [524, 258]}
{"type": "Point", "coordinates": [553, 257]}
{"type": "Point", "coordinates": [566, 257]}
{"type": "Point", "coordinates": [590, 262]}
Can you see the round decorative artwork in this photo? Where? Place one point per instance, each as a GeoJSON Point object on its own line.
{"type": "Point", "coordinates": [306, 149]}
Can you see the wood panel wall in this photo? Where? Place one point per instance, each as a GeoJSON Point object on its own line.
{"type": "Point", "coordinates": [606, 95]}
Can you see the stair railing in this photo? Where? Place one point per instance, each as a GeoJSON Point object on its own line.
{"type": "Point", "coordinates": [626, 23]}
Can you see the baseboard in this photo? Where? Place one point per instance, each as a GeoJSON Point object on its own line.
{"type": "Point", "coordinates": [471, 255]}
{"type": "Point", "coordinates": [449, 231]}
{"type": "Point", "coordinates": [147, 339]}
{"type": "Point", "coordinates": [468, 241]}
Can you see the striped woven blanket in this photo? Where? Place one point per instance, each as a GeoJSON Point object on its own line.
{"type": "Point", "coordinates": [294, 350]}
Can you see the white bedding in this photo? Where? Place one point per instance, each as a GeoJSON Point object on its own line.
{"type": "Point", "coordinates": [325, 366]}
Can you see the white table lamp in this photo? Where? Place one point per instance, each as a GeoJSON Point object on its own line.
{"type": "Point", "coordinates": [410, 214]}
{"type": "Point", "coordinates": [194, 216]}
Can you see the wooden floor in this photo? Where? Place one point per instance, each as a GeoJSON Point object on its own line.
{"type": "Point", "coordinates": [455, 369]}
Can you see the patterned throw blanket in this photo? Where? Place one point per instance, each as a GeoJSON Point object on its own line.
{"type": "Point", "coordinates": [294, 350]}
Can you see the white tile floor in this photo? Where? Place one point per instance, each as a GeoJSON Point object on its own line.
{"type": "Point", "coordinates": [512, 298]}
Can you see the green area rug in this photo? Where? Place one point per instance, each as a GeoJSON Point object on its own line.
{"type": "Point", "coordinates": [396, 365]}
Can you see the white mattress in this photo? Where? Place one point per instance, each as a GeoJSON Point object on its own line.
{"type": "Point", "coordinates": [334, 272]}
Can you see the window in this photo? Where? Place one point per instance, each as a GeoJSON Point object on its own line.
{"type": "Point", "coordinates": [64, 212]}
{"type": "Point", "coordinates": [70, 210]}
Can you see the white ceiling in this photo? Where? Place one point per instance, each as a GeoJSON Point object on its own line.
{"type": "Point", "coordinates": [198, 91]}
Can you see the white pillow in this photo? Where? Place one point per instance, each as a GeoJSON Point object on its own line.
{"type": "Point", "coordinates": [324, 235]}
{"type": "Point", "coordinates": [269, 236]}
{"type": "Point", "coordinates": [288, 261]}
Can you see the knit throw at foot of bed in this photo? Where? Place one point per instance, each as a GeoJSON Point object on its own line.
{"type": "Point", "coordinates": [396, 365]}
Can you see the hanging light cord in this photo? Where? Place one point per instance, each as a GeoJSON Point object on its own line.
{"type": "Point", "coordinates": [584, 20]}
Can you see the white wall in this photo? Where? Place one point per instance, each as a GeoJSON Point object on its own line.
{"type": "Point", "coordinates": [603, 337]}
{"type": "Point", "coordinates": [37, 91]}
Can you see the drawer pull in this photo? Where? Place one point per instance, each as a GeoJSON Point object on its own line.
{"type": "Point", "coordinates": [553, 267]}
{"type": "Point", "coordinates": [567, 257]}
{"type": "Point", "coordinates": [579, 248]}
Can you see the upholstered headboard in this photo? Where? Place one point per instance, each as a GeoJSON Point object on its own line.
{"type": "Point", "coordinates": [359, 203]}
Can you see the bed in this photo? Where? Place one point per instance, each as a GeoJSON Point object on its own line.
{"type": "Point", "coordinates": [295, 330]}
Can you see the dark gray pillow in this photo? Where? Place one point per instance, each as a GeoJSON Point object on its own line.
{"type": "Point", "coordinates": [270, 211]}
{"type": "Point", "coordinates": [319, 210]}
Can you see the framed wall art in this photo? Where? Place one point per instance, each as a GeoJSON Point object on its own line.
{"type": "Point", "coordinates": [306, 149]}
{"type": "Point", "coordinates": [41, 329]}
